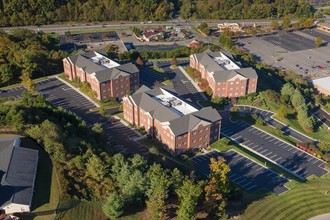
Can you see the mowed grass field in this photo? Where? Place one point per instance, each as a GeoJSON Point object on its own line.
{"type": "Point", "coordinates": [302, 201]}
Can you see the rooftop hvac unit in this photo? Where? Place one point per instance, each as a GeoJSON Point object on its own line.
{"type": "Point", "coordinates": [176, 102]}
{"type": "Point", "coordinates": [167, 104]}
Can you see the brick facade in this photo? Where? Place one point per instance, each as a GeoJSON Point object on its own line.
{"type": "Point", "coordinates": [201, 136]}
{"type": "Point", "coordinates": [117, 86]}
{"type": "Point", "coordinates": [236, 86]}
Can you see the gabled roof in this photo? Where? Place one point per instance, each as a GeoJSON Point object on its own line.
{"type": "Point", "coordinates": [150, 33]}
{"type": "Point", "coordinates": [220, 74]}
{"type": "Point", "coordinates": [18, 168]}
{"type": "Point", "coordinates": [188, 122]}
{"type": "Point", "coordinates": [102, 73]}
{"type": "Point", "coordinates": [179, 124]}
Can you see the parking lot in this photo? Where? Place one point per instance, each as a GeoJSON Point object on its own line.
{"type": "Point", "coordinates": [181, 83]}
{"type": "Point", "coordinates": [291, 41]}
{"type": "Point", "coordinates": [294, 51]}
{"type": "Point", "coordinates": [278, 152]}
{"type": "Point", "coordinates": [246, 173]}
{"type": "Point", "coordinates": [267, 117]}
{"type": "Point", "coordinates": [148, 77]}
{"type": "Point", "coordinates": [89, 37]}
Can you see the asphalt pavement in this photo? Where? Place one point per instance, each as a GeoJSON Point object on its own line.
{"type": "Point", "coordinates": [272, 149]}
{"type": "Point", "coordinates": [267, 117]}
{"type": "Point", "coordinates": [244, 172]}
{"type": "Point", "coordinates": [181, 83]}
{"type": "Point", "coordinates": [322, 116]}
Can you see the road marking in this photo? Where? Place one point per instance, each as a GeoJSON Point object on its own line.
{"type": "Point", "coordinates": [268, 154]}
{"type": "Point", "coordinates": [260, 168]}
{"type": "Point", "coordinates": [273, 156]}
{"type": "Point", "coordinates": [263, 151]}
{"type": "Point", "coordinates": [278, 159]}
{"type": "Point", "coordinates": [251, 187]}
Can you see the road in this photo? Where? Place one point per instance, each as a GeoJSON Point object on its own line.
{"type": "Point", "coordinates": [322, 116]}
{"type": "Point", "coordinates": [62, 28]}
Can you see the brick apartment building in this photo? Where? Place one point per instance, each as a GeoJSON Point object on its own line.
{"type": "Point", "coordinates": [106, 77]}
{"type": "Point", "coordinates": [226, 78]}
{"type": "Point", "coordinates": [174, 122]}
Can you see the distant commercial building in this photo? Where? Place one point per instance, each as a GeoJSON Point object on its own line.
{"type": "Point", "coordinates": [229, 26]}
{"type": "Point", "coordinates": [18, 168]}
{"type": "Point", "coordinates": [171, 120]}
{"type": "Point", "coordinates": [225, 78]}
{"type": "Point", "coordinates": [106, 77]}
{"type": "Point", "coordinates": [322, 85]}
{"type": "Point", "coordinates": [152, 35]}
{"type": "Point", "coordinates": [324, 26]}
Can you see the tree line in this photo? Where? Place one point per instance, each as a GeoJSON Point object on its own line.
{"type": "Point", "coordinates": [88, 169]}
{"type": "Point", "coordinates": [25, 54]}
{"type": "Point", "coordinates": [35, 12]}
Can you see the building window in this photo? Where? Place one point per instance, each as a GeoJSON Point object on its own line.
{"type": "Point", "coordinates": [200, 138]}
{"type": "Point", "coordinates": [206, 136]}
{"type": "Point", "coordinates": [194, 141]}
{"type": "Point", "coordinates": [200, 131]}
{"type": "Point", "coordinates": [179, 137]}
{"type": "Point", "coordinates": [185, 135]}
{"type": "Point", "coordinates": [207, 128]}
{"type": "Point", "coordinates": [194, 133]}
{"type": "Point", "coordinates": [237, 82]}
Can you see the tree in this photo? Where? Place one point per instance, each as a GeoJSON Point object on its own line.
{"type": "Point", "coordinates": [188, 195]}
{"type": "Point", "coordinates": [324, 146]}
{"type": "Point", "coordinates": [139, 61]}
{"type": "Point", "coordinates": [157, 191]}
{"type": "Point", "coordinates": [282, 112]}
{"type": "Point", "coordinates": [113, 208]}
{"type": "Point", "coordinates": [102, 111]}
{"type": "Point", "coordinates": [204, 28]}
{"type": "Point", "coordinates": [217, 188]}
{"type": "Point", "coordinates": [174, 61]}
{"type": "Point", "coordinates": [286, 23]}
{"type": "Point", "coordinates": [96, 168]}
{"type": "Point", "coordinates": [318, 41]}
{"type": "Point", "coordinates": [275, 25]}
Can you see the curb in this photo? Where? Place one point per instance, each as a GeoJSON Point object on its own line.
{"type": "Point", "coordinates": [272, 117]}
{"type": "Point", "coordinates": [78, 90]}
{"type": "Point", "coordinates": [192, 82]}
{"type": "Point", "coordinates": [260, 155]}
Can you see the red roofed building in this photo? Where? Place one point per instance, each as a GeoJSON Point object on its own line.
{"type": "Point", "coordinates": [151, 35]}
{"type": "Point", "coordinates": [194, 44]}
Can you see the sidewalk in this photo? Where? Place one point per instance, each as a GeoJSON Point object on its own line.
{"type": "Point", "coordinates": [77, 90]}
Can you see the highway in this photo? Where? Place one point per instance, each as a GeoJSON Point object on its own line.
{"type": "Point", "coordinates": [70, 26]}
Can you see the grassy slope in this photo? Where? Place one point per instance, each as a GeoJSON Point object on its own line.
{"type": "Point", "coordinates": [303, 201]}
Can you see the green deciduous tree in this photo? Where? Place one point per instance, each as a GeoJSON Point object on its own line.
{"type": "Point", "coordinates": [286, 23]}
{"type": "Point", "coordinates": [113, 208]}
{"type": "Point", "coordinates": [188, 195]}
{"type": "Point", "coordinates": [217, 188]}
{"type": "Point", "coordinates": [318, 41]}
{"type": "Point", "coordinates": [282, 112]}
{"type": "Point", "coordinates": [274, 25]}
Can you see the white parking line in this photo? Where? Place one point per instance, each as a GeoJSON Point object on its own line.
{"type": "Point", "coordinates": [273, 156]}
{"type": "Point", "coordinates": [259, 149]}
{"type": "Point", "coordinates": [246, 184]}
{"type": "Point", "coordinates": [281, 143]}
{"type": "Point", "coordinates": [278, 159]}
{"type": "Point", "coordinates": [251, 187]}
{"type": "Point", "coordinates": [268, 154]}
{"type": "Point", "coordinates": [263, 151]}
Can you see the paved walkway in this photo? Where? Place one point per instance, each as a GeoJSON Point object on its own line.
{"type": "Point", "coordinates": [321, 217]}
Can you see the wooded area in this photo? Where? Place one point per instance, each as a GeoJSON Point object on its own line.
{"type": "Point", "coordinates": [88, 169]}
{"type": "Point", "coordinates": [24, 53]}
{"type": "Point", "coordinates": [36, 12]}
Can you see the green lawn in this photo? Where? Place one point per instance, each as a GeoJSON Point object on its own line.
{"type": "Point", "coordinates": [302, 201]}
{"type": "Point", "coordinates": [73, 209]}
{"type": "Point", "coordinates": [322, 133]}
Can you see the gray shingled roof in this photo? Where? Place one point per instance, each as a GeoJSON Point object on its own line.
{"type": "Point", "coordinates": [17, 172]}
{"type": "Point", "coordinates": [220, 75]}
{"type": "Point", "coordinates": [179, 125]}
{"type": "Point", "coordinates": [157, 110]}
{"type": "Point", "coordinates": [188, 122]}
{"type": "Point", "coordinates": [102, 73]}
